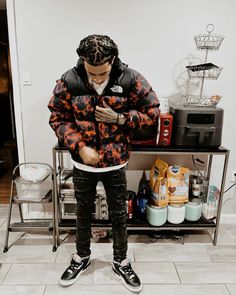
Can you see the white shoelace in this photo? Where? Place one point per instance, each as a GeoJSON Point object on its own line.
{"type": "Point", "coordinates": [78, 263]}
{"type": "Point", "coordinates": [126, 268]}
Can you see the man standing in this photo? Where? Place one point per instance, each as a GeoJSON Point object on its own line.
{"type": "Point", "coordinates": [94, 108]}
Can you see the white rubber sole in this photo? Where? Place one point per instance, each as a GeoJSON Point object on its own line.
{"type": "Point", "coordinates": [135, 290]}
{"type": "Point", "coordinates": [64, 283]}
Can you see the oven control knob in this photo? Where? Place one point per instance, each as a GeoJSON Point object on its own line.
{"type": "Point", "coordinates": [164, 141]}
{"type": "Point", "coordinates": [165, 132]}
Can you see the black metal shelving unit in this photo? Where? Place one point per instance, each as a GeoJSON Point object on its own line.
{"type": "Point", "coordinates": [139, 224]}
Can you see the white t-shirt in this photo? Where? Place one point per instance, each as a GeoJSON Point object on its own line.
{"type": "Point", "coordinates": [98, 87]}
{"type": "Point", "coordinates": [94, 169]}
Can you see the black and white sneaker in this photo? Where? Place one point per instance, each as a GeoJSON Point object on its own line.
{"type": "Point", "coordinates": [77, 266]}
{"type": "Point", "coordinates": [125, 272]}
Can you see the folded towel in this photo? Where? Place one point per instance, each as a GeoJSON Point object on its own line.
{"type": "Point", "coordinates": [34, 173]}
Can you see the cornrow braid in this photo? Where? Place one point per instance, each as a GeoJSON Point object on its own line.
{"type": "Point", "coordinates": [97, 49]}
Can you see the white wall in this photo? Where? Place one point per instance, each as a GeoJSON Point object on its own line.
{"type": "Point", "coordinates": [154, 37]}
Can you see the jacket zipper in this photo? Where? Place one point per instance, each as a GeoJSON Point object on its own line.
{"type": "Point", "coordinates": [95, 102]}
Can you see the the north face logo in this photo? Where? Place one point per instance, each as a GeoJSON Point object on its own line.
{"type": "Point", "coordinates": [117, 89]}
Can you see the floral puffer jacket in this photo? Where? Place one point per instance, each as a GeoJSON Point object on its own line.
{"type": "Point", "coordinates": [73, 105]}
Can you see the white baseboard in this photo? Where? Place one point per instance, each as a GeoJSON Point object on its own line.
{"type": "Point", "coordinates": [228, 218]}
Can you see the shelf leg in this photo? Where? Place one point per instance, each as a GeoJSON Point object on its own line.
{"type": "Point", "coordinates": [53, 221]}
{"type": "Point", "coordinates": [209, 166]}
{"type": "Point", "coordinates": [221, 198]}
{"type": "Point", "coordinates": [55, 202]}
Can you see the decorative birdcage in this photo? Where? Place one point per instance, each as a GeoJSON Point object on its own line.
{"type": "Point", "coordinates": [205, 70]}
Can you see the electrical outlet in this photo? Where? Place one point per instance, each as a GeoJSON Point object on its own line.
{"type": "Point", "coordinates": [233, 176]}
{"type": "Point", "coordinates": [164, 106]}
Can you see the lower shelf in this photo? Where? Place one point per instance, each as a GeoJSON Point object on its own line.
{"type": "Point", "coordinates": [31, 226]}
{"type": "Point", "coordinates": [139, 224]}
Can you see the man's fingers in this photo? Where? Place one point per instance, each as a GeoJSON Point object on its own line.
{"type": "Point", "coordinates": [101, 114]}
{"type": "Point", "coordinates": [106, 114]}
{"type": "Point", "coordinates": [104, 119]}
{"type": "Point", "coordinates": [102, 111]}
{"type": "Point", "coordinates": [99, 109]}
{"type": "Point", "coordinates": [105, 105]}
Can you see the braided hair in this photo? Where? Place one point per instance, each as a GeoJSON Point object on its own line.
{"type": "Point", "coordinates": [97, 49]}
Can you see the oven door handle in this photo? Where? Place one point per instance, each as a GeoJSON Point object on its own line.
{"type": "Point", "coordinates": [201, 128]}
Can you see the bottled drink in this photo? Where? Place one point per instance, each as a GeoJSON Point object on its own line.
{"type": "Point", "coordinates": [131, 198]}
{"type": "Point", "coordinates": [142, 196]}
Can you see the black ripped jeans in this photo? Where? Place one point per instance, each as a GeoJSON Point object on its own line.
{"type": "Point", "coordinates": [115, 185]}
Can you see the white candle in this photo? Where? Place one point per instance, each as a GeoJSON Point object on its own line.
{"type": "Point", "coordinates": [176, 214]}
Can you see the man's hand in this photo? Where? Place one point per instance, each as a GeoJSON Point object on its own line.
{"type": "Point", "coordinates": [107, 115]}
{"type": "Point", "coordinates": [89, 155]}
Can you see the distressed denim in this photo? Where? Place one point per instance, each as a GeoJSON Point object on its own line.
{"type": "Point", "coordinates": [115, 185]}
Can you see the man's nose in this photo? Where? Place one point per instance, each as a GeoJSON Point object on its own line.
{"type": "Point", "coordinates": [97, 79]}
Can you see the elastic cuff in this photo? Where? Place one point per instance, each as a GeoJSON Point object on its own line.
{"type": "Point", "coordinates": [128, 118]}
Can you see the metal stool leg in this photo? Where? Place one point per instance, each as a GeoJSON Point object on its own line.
{"type": "Point", "coordinates": [54, 248]}
{"type": "Point", "coordinates": [21, 215]}
{"type": "Point", "coordinates": [8, 219]}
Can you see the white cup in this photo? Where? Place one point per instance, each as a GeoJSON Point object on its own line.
{"type": "Point", "coordinates": [197, 187]}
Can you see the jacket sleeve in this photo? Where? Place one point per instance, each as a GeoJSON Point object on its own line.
{"type": "Point", "coordinates": [62, 118]}
{"type": "Point", "coordinates": [143, 105]}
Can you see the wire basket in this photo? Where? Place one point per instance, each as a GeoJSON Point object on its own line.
{"type": "Point", "coordinates": [209, 41]}
{"type": "Point", "coordinates": [201, 71]}
{"type": "Point", "coordinates": [204, 101]}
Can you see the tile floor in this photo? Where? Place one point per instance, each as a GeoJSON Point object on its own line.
{"type": "Point", "coordinates": [165, 266]}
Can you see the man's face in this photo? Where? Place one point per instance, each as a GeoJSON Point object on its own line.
{"type": "Point", "coordinates": [98, 74]}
